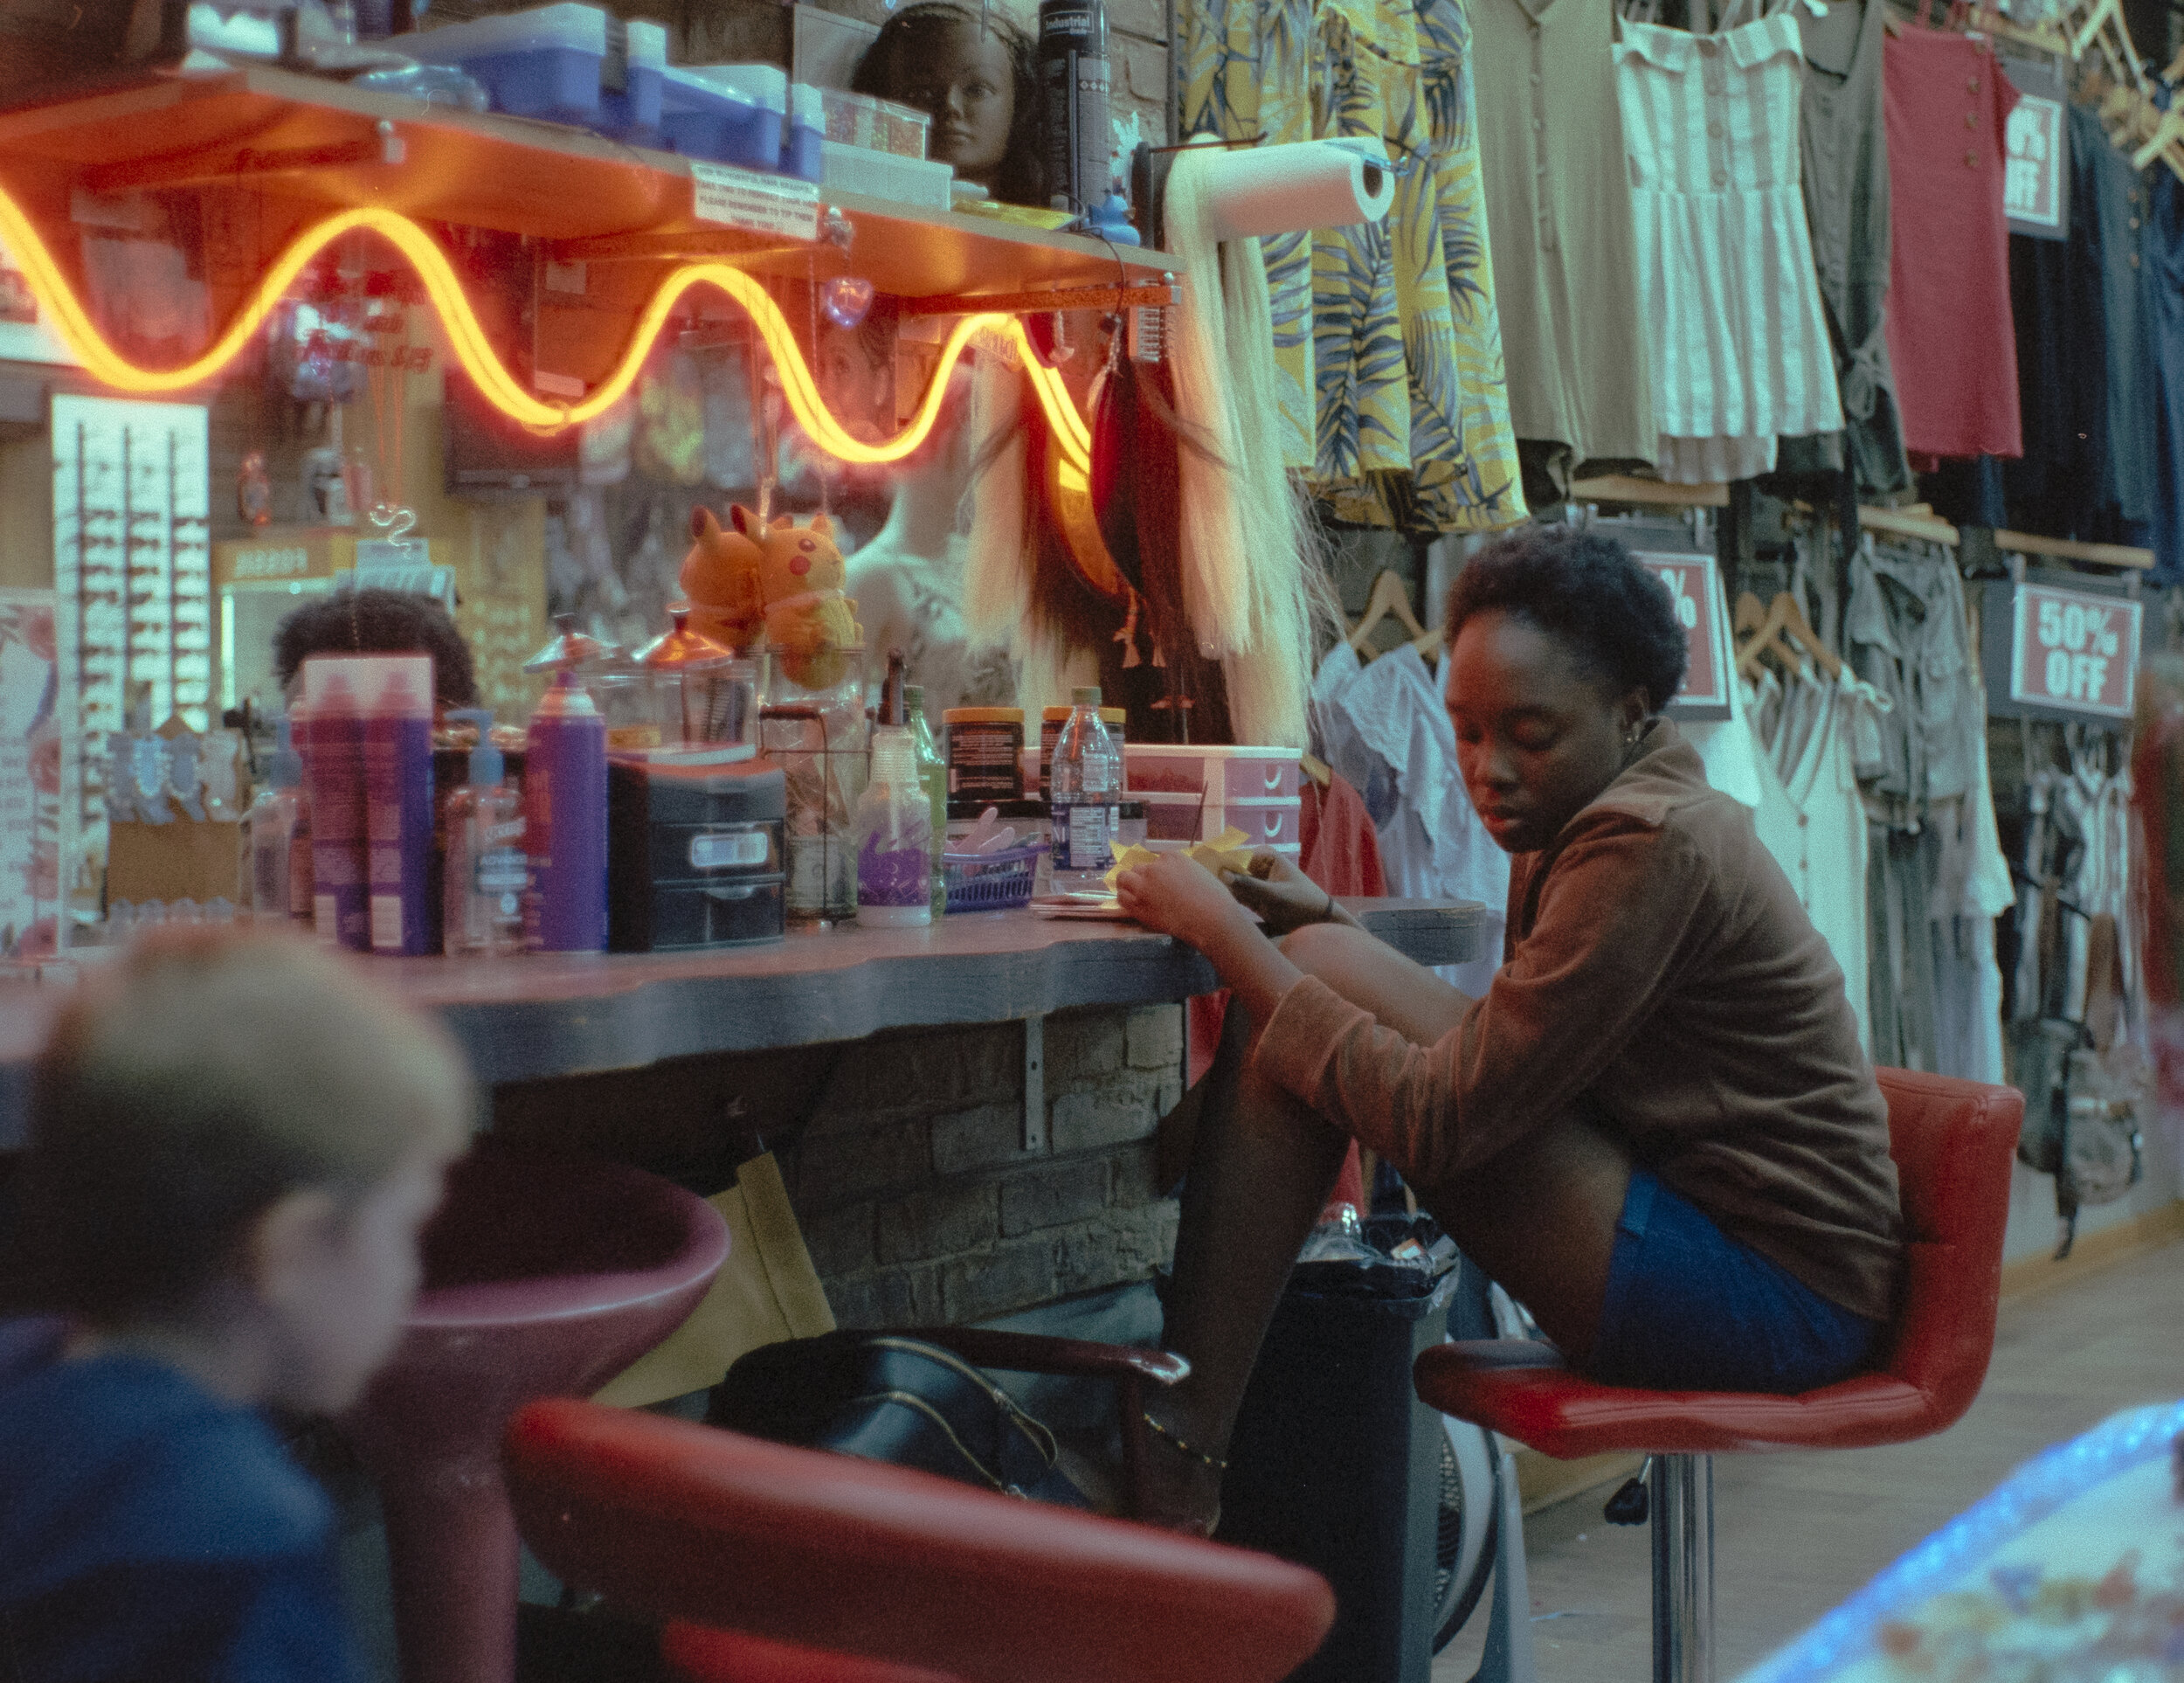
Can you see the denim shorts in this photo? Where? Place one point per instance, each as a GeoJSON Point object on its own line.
{"type": "Point", "coordinates": [1690, 1309]}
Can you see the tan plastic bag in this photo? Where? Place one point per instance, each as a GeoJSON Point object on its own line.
{"type": "Point", "coordinates": [766, 1292]}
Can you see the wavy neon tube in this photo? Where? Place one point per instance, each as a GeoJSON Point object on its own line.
{"type": "Point", "coordinates": [467, 338]}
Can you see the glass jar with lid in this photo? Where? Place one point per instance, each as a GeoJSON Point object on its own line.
{"type": "Point", "coordinates": [701, 695]}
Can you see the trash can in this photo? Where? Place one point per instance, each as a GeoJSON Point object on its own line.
{"type": "Point", "coordinates": [1336, 1464]}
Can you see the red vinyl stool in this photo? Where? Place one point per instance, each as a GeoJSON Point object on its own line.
{"type": "Point", "coordinates": [1953, 1142]}
{"type": "Point", "coordinates": [541, 1277]}
{"type": "Point", "coordinates": [758, 1545]}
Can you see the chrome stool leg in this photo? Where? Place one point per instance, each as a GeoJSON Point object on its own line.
{"type": "Point", "coordinates": [1682, 1499]}
{"type": "Point", "coordinates": [1509, 1656]}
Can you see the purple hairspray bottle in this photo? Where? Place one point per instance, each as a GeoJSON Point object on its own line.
{"type": "Point", "coordinates": [399, 802]}
{"type": "Point", "coordinates": [565, 822]}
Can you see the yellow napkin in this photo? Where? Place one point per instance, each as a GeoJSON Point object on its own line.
{"type": "Point", "coordinates": [1226, 852]}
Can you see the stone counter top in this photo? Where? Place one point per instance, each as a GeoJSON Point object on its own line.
{"type": "Point", "coordinates": [538, 1017]}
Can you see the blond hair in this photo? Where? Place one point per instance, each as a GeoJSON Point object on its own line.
{"type": "Point", "coordinates": [203, 1077]}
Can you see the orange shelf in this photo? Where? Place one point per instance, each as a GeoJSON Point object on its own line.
{"type": "Point", "coordinates": [302, 146]}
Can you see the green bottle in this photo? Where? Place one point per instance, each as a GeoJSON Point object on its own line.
{"type": "Point", "coordinates": [932, 771]}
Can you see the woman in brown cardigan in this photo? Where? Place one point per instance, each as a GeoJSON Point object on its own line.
{"type": "Point", "coordinates": [1657, 1128]}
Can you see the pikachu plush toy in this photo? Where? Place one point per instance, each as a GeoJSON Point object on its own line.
{"type": "Point", "coordinates": [784, 578]}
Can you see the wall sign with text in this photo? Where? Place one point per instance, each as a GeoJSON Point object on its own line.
{"type": "Point", "coordinates": [2054, 652]}
{"type": "Point", "coordinates": [2036, 153]}
{"type": "Point", "coordinates": [1694, 587]}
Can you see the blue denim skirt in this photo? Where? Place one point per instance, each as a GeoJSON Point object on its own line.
{"type": "Point", "coordinates": [1690, 1309]}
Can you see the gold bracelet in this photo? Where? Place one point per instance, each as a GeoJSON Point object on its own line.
{"type": "Point", "coordinates": [1198, 1455]}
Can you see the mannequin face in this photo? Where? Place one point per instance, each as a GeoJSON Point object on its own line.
{"type": "Point", "coordinates": [1539, 735]}
{"type": "Point", "coordinates": [861, 393]}
{"type": "Point", "coordinates": [961, 76]}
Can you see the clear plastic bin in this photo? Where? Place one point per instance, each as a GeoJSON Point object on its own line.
{"type": "Point", "coordinates": [854, 119]}
{"type": "Point", "coordinates": [908, 132]}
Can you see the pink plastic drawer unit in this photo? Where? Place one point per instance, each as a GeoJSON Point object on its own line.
{"type": "Point", "coordinates": [1265, 823]}
{"type": "Point", "coordinates": [1170, 815]}
{"type": "Point", "coordinates": [1222, 772]}
{"type": "Point", "coordinates": [1173, 815]}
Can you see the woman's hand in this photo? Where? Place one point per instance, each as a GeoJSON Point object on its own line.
{"type": "Point", "coordinates": [1284, 896]}
{"type": "Point", "coordinates": [1174, 895]}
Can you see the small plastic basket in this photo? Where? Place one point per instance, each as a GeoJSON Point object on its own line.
{"type": "Point", "coordinates": [991, 882]}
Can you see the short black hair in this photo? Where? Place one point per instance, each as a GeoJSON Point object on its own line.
{"type": "Point", "coordinates": [1023, 174]}
{"type": "Point", "coordinates": [374, 622]}
{"type": "Point", "coordinates": [1589, 592]}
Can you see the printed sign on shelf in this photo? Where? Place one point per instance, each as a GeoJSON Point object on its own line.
{"type": "Point", "coordinates": [782, 205]}
{"type": "Point", "coordinates": [1693, 588]}
{"type": "Point", "coordinates": [2077, 651]}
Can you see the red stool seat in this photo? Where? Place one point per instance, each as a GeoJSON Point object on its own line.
{"type": "Point", "coordinates": [541, 1277]}
{"type": "Point", "coordinates": [1953, 1142]}
{"type": "Point", "coordinates": [799, 1546]}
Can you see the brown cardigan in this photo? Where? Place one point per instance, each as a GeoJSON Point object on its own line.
{"type": "Point", "coordinates": [1661, 968]}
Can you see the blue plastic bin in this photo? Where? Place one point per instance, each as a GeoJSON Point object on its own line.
{"type": "Point", "coordinates": [991, 882]}
{"type": "Point", "coordinates": [568, 63]}
{"type": "Point", "coordinates": [805, 155]}
{"type": "Point", "coordinates": [632, 113]}
{"type": "Point", "coordinates": [729, 113]}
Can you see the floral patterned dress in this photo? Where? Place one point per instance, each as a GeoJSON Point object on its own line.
{"type": "Point", "coordinates": [1388, 348]}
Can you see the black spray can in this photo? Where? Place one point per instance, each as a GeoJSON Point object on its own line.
{"type": "Point", "coordinates": [1072, 75]}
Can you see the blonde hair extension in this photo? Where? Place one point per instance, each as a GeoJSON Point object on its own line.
{"type": "Point", "coordinates": [997, 575]}
{"type": "Point", "coordinates": [1211, 541]}
{"type": "Point", "coordinates": [1255, 586]}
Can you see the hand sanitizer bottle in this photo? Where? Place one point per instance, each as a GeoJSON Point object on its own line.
{"type": "Point", "coordinates": [487, 869]}
{"type": "Point", "coordinates": [932, 771]}
{"type": "Point", "coordinates": [895, 821]}
{"type": "Point", "coordinates": [271, 825]}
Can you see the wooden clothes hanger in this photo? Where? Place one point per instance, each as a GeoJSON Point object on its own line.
{"type": "Point", "coordinates": [1800, 631]}
{"type": "Point", "coordinates": [1784, 632]}
{"type": "Point", "coordinates": [1765, 637]}
{"type": "Point", "coordinates": [1391, 595]}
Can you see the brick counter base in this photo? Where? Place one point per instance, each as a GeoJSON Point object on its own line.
{"type": "Point", "coordinates": [920, 1203]}
{"type": "Point", "coordinates": [905, 1155]}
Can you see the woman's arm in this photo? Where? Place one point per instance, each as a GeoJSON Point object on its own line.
{"type": "Point", "coordinates": [1621, 913]}
{"type": "Point", "coordinates": [1178, 896]}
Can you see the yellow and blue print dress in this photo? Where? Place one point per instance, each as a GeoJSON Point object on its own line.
{"type": "Point", "coordinates": [1386, 341]}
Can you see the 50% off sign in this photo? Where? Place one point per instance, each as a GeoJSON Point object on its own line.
{"type": "Point", "coordinates": [2073, 651]}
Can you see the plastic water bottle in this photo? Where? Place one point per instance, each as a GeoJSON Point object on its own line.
{"type": "Point", "coordinates": [1086, 796]}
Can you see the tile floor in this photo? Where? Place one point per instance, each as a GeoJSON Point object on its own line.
{"type": "Point", "coordinates": [1795, 1533]}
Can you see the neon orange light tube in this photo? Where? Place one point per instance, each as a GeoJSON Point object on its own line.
{"type": "Point", "coordinates": [466, 337]}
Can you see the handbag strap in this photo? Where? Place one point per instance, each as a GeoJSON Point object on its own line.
{"type": "Point", "coordinates": [1035, 1430]}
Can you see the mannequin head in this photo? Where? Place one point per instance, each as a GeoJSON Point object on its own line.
{"type": "Point", "coordinates": [974, 73]}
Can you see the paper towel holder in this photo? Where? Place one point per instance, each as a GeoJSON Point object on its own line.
{"type": "Point", "coordinates": [1150, 165]}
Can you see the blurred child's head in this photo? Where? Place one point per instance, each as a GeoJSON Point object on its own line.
{"type": "Point", "coordinates": [237, 1138]}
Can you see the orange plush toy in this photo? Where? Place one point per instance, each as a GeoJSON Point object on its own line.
{"type": "Point", "coordinates": [719, 578]}
{"type": "Point", "coordinates": [807, 617]}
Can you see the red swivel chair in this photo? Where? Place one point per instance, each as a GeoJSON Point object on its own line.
{"type": "Point", "coordinates": [798, 1566]}
{"type": "Point", "coordinates": [1953, 1142]}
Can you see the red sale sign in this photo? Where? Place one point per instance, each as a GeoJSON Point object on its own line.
{"type": "Point", "coordinates": [1694, 589]}
{"type": "Point", "coordinates": [2073, 651]}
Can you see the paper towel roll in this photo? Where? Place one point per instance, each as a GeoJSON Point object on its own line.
{"type": "Point", "coordinates": [1269, 190]}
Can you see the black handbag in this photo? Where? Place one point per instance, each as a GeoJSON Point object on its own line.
{"type": "Point", "coordinates": [895, 1399]}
